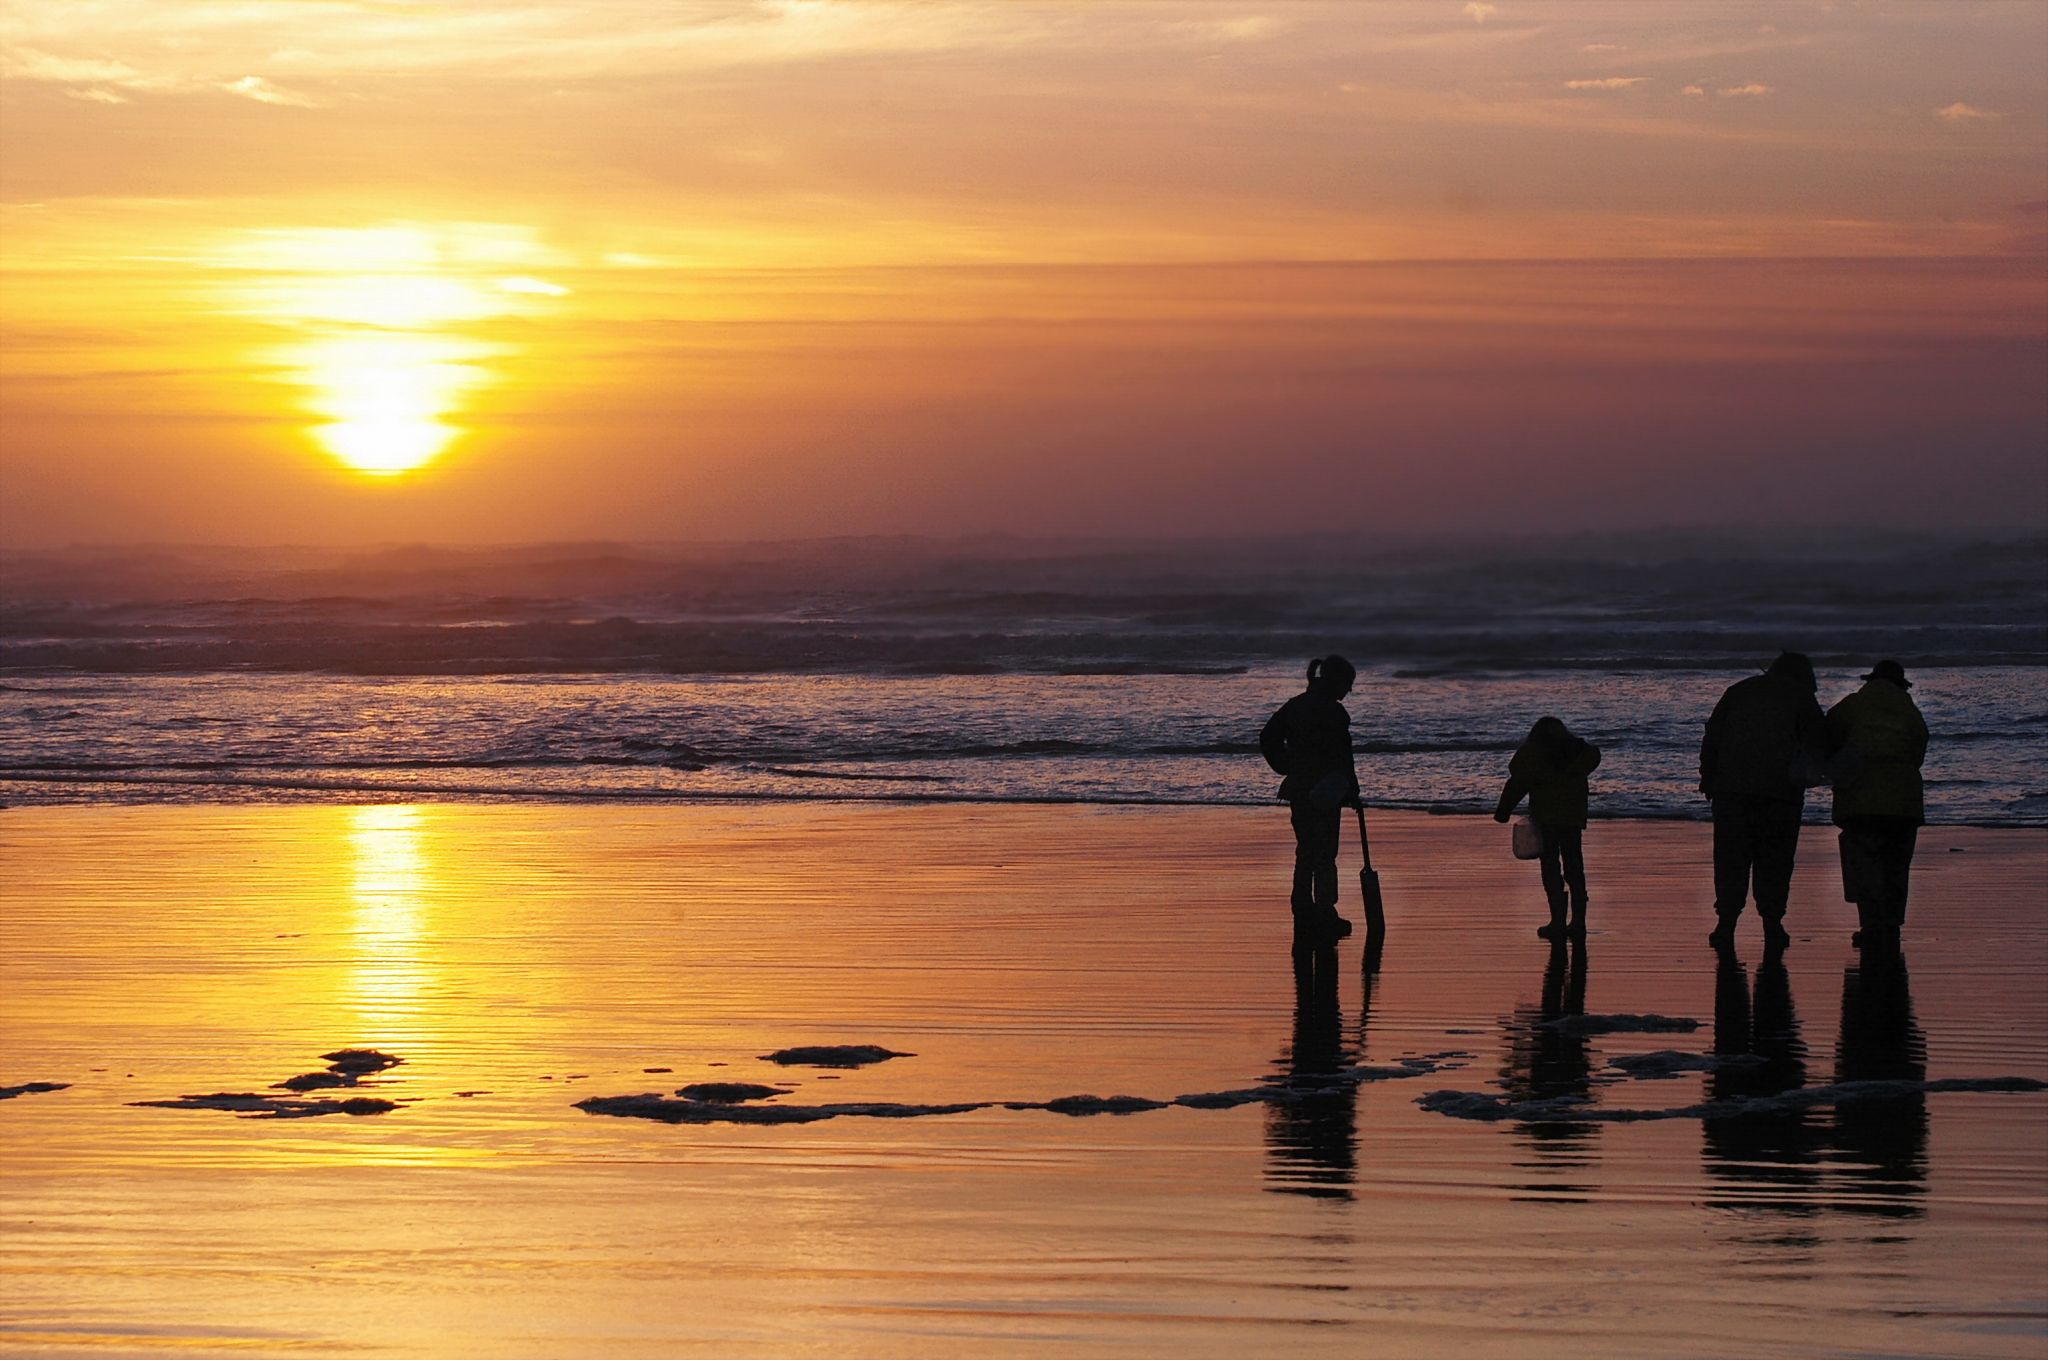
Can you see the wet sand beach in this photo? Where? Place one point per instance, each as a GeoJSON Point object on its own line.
{"type": "Point", "coordinates": [1485, 1147]}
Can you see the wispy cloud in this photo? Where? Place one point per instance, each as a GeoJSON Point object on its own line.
{"type": "Point", "coordinates": [100, 81]}
{"type": "Point", "coordinates": [1749, 91]}
{"type": "Point", "coordinates": [1246, 28]}
{"type": "Point", "coordinates": [1959, 112]}
{"type": "Point", "coordinates": [1605, 83]}
{"type": "Point", "coordinates": [1601, 47]}
{"type": "Point", "coordinates": [1697, 91]}
{"type": "Point", "coordinates": [1481, 11]}
{"type": "Point", "coordinates": [263, 92]}
{"type": "Point", "coordinates": [213, 42]}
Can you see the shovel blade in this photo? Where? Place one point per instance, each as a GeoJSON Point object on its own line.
{"type": "Point", "coordinates": [1369, 893]}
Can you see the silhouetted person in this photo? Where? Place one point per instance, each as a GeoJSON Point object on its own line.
{"type": "Point", "coordinates": [1550, 770]}
{"type": "Point", "coordinates": [1879, 741]}
{"type": "Point", "coordinates": [1764, 743]}
{"type": "Point", "coordinates": [1882, 1142]}
{"type": "Point", "coordinates": [1312, 1138]}
{"type": "Point", "coordinates": [1308, 743]}
{"type": "Point", "coordinates": [1777, 1149]}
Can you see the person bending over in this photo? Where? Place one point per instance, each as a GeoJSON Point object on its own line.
{"type": "Point", "coordinates": [1550, 770]}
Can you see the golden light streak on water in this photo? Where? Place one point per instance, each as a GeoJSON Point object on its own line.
{"type": "Point", "coordinates": [389, 969]}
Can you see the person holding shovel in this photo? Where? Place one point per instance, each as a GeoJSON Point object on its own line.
{"type": "Point", "coordinates": [1550, 771]}
{"type": "Point", "coordinates": [1308, 743]}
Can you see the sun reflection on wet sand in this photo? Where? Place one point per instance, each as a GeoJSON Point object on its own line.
{"type": "Point", "coordinates": [521, 959]}
{"type": "Point", "coordinates": [389, 972]}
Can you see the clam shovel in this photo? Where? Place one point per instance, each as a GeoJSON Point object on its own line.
{"type": "Point", "coordinates": [1369, 884]}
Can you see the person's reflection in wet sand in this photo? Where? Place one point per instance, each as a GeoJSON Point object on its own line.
{"type": "Point", "coordinates": [1546, 1063]}
{"type": "Point", "coordinates": [1769, 1161]}
{"type": "Point", "coordinates": [1312, 1138]}
{"type": "Point", "coordinates": [1881, 1144]}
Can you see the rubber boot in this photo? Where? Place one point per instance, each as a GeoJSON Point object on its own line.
{"type": "Point", "coordinates": [1775, 935]}
{"type": "Point", "coordinates": [1577, 929]}
{"type": "Point", "coordinates": [1556, 929]}
{"type": "Point", "coordinates": [1866, 927]}
{"type": "Point", "coordinates": [1319, 927]}
{"type": "Point", "coordinates": [1723, 936]}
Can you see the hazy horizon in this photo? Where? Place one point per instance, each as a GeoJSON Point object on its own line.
{"type": "Point", "coordinates": [1660, 540]}
{"type": "Point", "coordinates": [478, 272]}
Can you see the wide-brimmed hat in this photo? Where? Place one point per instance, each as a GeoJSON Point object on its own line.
{"type": "Point", "coordinates": [1892, 671]}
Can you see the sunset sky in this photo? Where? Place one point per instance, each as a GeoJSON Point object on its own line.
{"type": "Point", "coordinates": [284, 271]}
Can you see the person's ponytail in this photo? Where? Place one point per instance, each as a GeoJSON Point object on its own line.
{"type": "Point", "coordinates": [1331, 672]}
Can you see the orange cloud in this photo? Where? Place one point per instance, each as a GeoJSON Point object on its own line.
{"type": "Point", "coordinates": [1959, 112]}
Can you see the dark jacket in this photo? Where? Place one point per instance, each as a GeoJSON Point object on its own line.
{"type": "Point", "coordinates": [1761, 727]}
{"type": "Point", "coordinates": [1880, 740]}
{"type": "Point", "coordinates": [1307, 741]}
{"type": "Point", "coordinates": [1553, 776]}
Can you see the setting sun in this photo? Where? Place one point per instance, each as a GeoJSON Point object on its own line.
{"type": "Point", "coordinates": [390, 320]}
{"type": "Point", "coordinates": [387, 396]}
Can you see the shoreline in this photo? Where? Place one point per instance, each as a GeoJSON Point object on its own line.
{"type": "Point", "coordinates": [458, 796]}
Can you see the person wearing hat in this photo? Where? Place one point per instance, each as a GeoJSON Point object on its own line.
{"type": "Point", "coordinates": [1879, 740]}
{"type": "Point", "coordinates": [1764, 745]}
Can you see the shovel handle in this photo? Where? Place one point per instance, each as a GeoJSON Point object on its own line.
{"type": "Point", "coordinates": [1364, 844]}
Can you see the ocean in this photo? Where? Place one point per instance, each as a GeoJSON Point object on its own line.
{"type": "Point", "coordinates": [989, 670]}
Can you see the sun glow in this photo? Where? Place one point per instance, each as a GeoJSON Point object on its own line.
{"type": "Point", "coordinates": [387, 396]}
{"type": "Point", "coordinates": [389, 316]}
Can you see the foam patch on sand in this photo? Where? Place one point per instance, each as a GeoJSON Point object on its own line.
{"type": "Point", "coordinates": [683, 1110]}
{"type": "Point", "coordinates": [1489, 1107]}
{"type": "Point", "coordinates": [833, 1055]}
{"type": "Point", "coordinates": [360, 1061]}
{"type": "Point", "coordinates": [1667, 1063]}
{"type": "Point", "coordinates": [1226, 1100]}
{"type": "Point", "coordinates": [724, 1103]}
{"type": "Point", "coordinates": [345, 1067]}
{"type": "Point", "coordinates": [257, 1105]}
{"type": "Point", "coordinates": [729, 1092]}
{"type": "Point", "coordinates": [32, 1088]}
{"type": "Point", "coordinates": [1620, 1024]}
{"type": "Point", "coordinates": [1085, 1105]}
